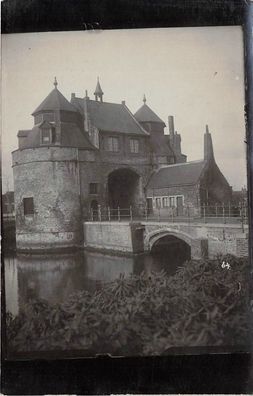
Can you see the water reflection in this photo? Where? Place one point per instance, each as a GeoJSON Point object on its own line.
{"type": "Point", "coordinates": [55, 277]}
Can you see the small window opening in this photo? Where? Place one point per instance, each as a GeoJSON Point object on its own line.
{"type": "Point", "coordinates": [45, 133]}
{"type": "Point", "coordinates": [53, 133]}
{"type": "Point", "coordinates": [28, 206]}
{"type": "Point", "coordinates": [93, 188]}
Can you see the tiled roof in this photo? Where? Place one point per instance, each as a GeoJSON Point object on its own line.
{"type": "Point", "coordinates": [23, 132]}
{"type": "Point", "coordinates": [177, 174]}
{"type": "Point", "coordinates": [55, 101]}
{"type": "Point", "coordinates": [160, 145]}
{"type": "Point", "coordinates": [145, 114]}
{"type": "Point", "coordinates": [71, 136]}
{"type": "Point", "coordinates": [110, 117]}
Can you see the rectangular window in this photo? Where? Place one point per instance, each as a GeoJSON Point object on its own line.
{"type": "Point", "coordinates": [45, 136]}
{"type": "Point", "coordinates": [28, 206]}
{"type": "Point", "coordinates": [165, 202]}
{"type": "Point", "coordinates": [93, 188]}
{"type": "Point", "coordinates": [158, 203]}
{"type": "Point", "coordinates": [48, 116]}
{"type": "Point", "coordinates": [113, 144]}
{"type": "Point", "coordinates": [172, 202]}
{"type": "Point", "coordinates": [53, 133]}
{"type": "Point", "coordinates": [38, 119]}
{"type": "Point", "coordinates": [134, 146]}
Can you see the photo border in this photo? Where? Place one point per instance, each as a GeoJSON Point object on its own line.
{"type": "Point", "coordinates": [198, 373]}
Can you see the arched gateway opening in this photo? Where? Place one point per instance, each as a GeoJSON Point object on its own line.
{"type": "Point", "coordinates": [171, 252]}
{"type": "Point", "coordinates": [123, 188]}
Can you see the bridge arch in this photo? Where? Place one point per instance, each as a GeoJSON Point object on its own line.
{"type": "Point", "coordinates": [169, 247]}
{"type": "Point", "coordinates": [198, 246]}
{"type": "Point", "coordinates": [152, 237]}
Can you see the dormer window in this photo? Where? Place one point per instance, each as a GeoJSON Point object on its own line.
{"type": "Point", "coordinates": [48, 134]}
{"type": "Point", "coordinates": [45, 136]}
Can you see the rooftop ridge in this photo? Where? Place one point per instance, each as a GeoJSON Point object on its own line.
{"type": "Point", "coordinates": [181, 164]}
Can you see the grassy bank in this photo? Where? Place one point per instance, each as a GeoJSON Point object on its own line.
{"type": "Point", "coordinates": [203, 304]}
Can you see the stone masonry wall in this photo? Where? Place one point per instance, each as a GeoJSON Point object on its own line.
{"type": "Point", "coordinates": [54, 187]}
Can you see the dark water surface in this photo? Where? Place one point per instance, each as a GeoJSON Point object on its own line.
{"type": "Point", "coordinates": [55, 277]}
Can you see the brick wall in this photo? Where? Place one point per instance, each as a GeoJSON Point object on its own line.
{"type": "Point", "coordinates": [54, 187]}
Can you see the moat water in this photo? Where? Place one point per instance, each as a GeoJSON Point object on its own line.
{"type": "Point", "coordinates": [55, 277]}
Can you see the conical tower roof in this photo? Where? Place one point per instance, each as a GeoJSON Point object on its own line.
{"type": "Point", "coordinates": [98, 90]}
{"type": "Point", "coordinates": [54, 101]}
{"type": "Point", "coordinates": [145, 114]}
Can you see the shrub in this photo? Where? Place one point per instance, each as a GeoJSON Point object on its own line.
{"type": "Point", "coordinates": [203, 304]}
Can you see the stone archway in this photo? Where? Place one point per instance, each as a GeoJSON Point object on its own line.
{"type": "Point", "coordinates": [171, 251]}
{"type": "Point", "coordinates": [123, 188]}
{"type": "Point", "coordinates": [197, 248]}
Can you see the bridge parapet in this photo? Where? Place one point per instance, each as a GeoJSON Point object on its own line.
{"type": "Point", "coordinates": [206, 240]}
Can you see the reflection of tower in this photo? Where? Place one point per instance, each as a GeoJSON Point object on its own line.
{"type": "Point", "coordinates": [11, 285]}
{"type": "Point", "coordinates": [49, 277]}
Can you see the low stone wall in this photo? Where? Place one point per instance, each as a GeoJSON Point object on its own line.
{"type": "Point", "coordinates": [48, 241]}
{"type": "Point", "coordinates": [114, 236]}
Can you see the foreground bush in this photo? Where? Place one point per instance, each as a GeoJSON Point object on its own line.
{"type": "Point", "coordinates": [203, 304]}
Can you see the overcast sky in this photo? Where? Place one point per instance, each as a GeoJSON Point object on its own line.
{"type": "Point", "coordinates": [195, 74]}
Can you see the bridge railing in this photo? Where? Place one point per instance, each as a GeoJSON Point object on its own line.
{"type": "Point", "coordinates": [218, 213]}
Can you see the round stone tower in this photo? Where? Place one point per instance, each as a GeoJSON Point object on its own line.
{"type": "Point", "coordinates": [47, 177]}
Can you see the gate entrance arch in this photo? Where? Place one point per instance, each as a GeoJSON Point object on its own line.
{"type": "Point", "coordinates": [123, 188]}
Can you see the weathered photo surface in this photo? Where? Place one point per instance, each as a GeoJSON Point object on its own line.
{"type": "Point", "coordinates": [125, 214]}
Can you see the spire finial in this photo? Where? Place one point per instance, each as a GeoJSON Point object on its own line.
{"type": "Point", "coordinates": [144, 99]}
{"type": "Point", "coordinates": [55, 83]}
{"type": "Point", "coordinates": [98, 91]}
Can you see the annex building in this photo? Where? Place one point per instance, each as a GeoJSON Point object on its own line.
{"type": "Point", "coordinates": [87, 153]}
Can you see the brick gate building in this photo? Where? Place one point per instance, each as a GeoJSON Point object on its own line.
{"type": "Point", "coordinates": [83, 153]}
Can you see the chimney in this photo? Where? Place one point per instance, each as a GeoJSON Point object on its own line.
{"type": "Point", "coordinates": [123, 102]}
{"type": "Point", "coordinates": [86, 113]}
{"type": "Point", "coordinates": [171, 126]}
{"type": "Point", "coordinates": [208, 146]}
{"type": "Point", "coordinates": [73, 95]}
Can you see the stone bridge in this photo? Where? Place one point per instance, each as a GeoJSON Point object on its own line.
{"type": "Point", "coordinates": [205, 240]}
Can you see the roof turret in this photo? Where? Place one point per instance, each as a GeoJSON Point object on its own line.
{"type": "Point", "coordinates": [98, 92]}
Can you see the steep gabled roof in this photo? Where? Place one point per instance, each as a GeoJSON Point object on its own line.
{"type": "Point", "coordinates": [110, 117]}
{"type": "Point", "coordinates": [187, 173]}
{"type": "Point", "coordinates": [55, 101]}
{"type": "Point", "coordinates": [145, 114]}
